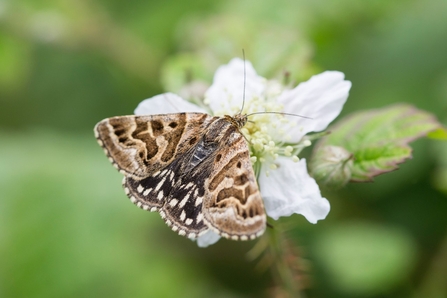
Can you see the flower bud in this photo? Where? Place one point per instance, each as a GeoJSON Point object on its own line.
{"type": "Point", "coordinates": [331, 166]}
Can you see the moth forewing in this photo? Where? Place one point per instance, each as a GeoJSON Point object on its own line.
{"type": "Point", "coordinates": [142, 145]}
{"type": "Point", "coordinates": [233, 206]}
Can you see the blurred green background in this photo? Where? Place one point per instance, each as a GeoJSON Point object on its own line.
{"type": "Point", "coordinates": [67, 228]}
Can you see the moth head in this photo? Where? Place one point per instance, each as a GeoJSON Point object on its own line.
{"type": "Point", "coordinates": [238, 120]}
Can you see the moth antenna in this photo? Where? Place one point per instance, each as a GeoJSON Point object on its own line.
{"type": "Point", "coordinates": [245, 80]}
{"type": "Point", "coordinates": [279, 113]}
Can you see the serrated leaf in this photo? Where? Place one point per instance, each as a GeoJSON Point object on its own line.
{"type": "Point", "coordinates": [378, 139]}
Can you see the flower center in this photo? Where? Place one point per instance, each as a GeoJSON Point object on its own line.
{"type": "Point", "coordinates": [265, 132]}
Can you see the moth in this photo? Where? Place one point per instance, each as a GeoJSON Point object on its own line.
{"type": "Point", "coordinates": [193, 168]}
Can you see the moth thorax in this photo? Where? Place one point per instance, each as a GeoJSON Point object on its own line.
{"type": "Point", "coordinates": [238, 120]}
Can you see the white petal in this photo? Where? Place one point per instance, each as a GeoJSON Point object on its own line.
{"type": "Point", "coordinates": [226, 92]}
{"type": "Point", "coordinates": [321, 98]}
{"type": "Point", "coordinates": [289, 189]}
{"type": "Point", "coordinates": [166, 103]}
{"type": "Point", "coordinates": [207, 239]}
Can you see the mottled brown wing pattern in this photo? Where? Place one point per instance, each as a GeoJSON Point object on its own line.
{"type": "Point", "coordinates": [177, 191]}
{"type": "Point", "coordinates": [176, 197]}
{"type": "Point", "coordinates": [233, 206]}
{"type": "Point", "coordinates": [192, 168]}
{"type": "Point", "coordinates": [139, 146]}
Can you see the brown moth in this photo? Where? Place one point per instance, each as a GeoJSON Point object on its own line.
{"type": "Point", "coordinates": [193, 168]}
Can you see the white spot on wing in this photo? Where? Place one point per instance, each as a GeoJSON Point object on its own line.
{"type": "Point", "coordinates": [160, 184]}
{"type": "Point", "coordinates": [199, 218]}
{"type": "Point", "coordinates": [160, 195]}
{"type": "Point", "coordinates": [140, 188]}
{"type": "Point", "coordinates": [188, 221]}
{"type": "Point", "coordinates": [199, 201]}
{"type": "Point", "coordinates": [147, 191]}
{"type": "Point", "coordinates": [182, 233]}
{"type": "Point", "coordinates": [183, 202]}
{"type": "Point", "coordinates": [133, 199]}
{"type": "Point", "coordinates": [183, 215]}
{"type": "Point", "coordinates": [173, 202]}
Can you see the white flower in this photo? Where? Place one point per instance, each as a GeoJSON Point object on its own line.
{"type": "Point", "coordinates": [275, 139]}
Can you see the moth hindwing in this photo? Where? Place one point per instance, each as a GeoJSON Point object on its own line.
{"type": "Point", "coordinates": [194, 169]}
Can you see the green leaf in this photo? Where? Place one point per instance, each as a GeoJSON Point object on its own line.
{"type": "Point", "coordinates": [378, 139]}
